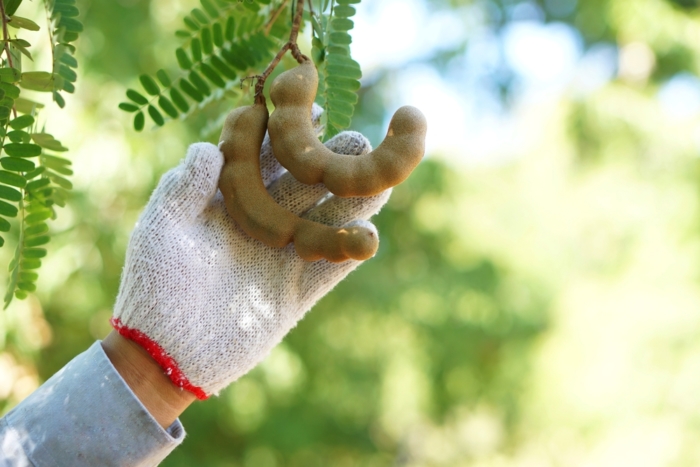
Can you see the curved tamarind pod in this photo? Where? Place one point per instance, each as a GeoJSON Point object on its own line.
{"type": "Point", "coordinates": [297, 148]}
{"type": "Point", "coordinates": [251, 206]}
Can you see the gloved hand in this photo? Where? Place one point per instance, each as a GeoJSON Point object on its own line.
{"type": "Point", "coordinates": [207, 302]}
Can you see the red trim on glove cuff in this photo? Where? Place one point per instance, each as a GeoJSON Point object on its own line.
{"type": "Point", "coordinates": [166, 362]}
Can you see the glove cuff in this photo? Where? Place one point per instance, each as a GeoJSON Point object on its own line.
{"type": "Point", "coordinates": [165, 361]}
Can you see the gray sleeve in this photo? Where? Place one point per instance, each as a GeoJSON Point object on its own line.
{"type": "Point", "coordinates": [85, 415]}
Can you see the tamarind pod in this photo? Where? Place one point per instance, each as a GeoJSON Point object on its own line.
{"type": "Point", "coordinates": [256, 212]}
{"type": "Point", "coordinates": [296, 147]}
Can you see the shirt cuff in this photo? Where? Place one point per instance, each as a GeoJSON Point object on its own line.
{"type": "Point", "coordinates": [86, 415]}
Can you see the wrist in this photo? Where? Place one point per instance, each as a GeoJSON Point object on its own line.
{"type": "Point", "coordinates": [163, 400]}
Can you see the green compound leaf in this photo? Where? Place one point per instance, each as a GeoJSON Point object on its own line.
{"type": "Point", "coordinates": [4, 225]}
{"type": "Point", "coordinates": [11, 6]}
{"type": "Point", "coordinates": [190, 90]}
{"type": "Point", "coordinates": [182, 59]}
{"type": "Point", "coordinates": [36, 185]}
{"type": "Point", "coordinates": [35, 173]}
{"type": "Point", "coordinates": [207, 43]}
{"type": "Point", "coordinates": [60, 181]}
{"type": "Point", "coordinates": [10, 75]}
{"type": "Point", "coordinates": [343, 11]}
{"type": "Point", "coordinates": [139, 121]}
{"type": "Point", "coordinates": [223, 68]}
{"type": "Point", "coordinates": [26, 286]}
{"type": "Point", "coordinates": [67, 73]}
{"type": "Point", "coordinates": [54, 162]}
{"type": "Point", "coordinates": [16, 164]}
{"type": "Point", "coordinates": [64, 10]}
{"type": "Point", "coordinates": [163, 77]}
{"type": "Point", "coordinates": [229, 31]}
{"type": "Point", "coordinates": [199, 83]}
{"type": "Point", "coordinates": [68, 59]}
{"type": "Point", "coordinates": [196, 48]}
{"type": "Point", "coordinates": [36, 229]}
{"type": "Point", "coordinates": [339, 120]}
{"type": "Point", "coordinates": [19, 136]}
{"type": "Point", "coordinates": [136, 97]}
{"type": "Point", "coordinates": [200, 16]}
{"type": "Point", "coordinates": [69, 36]}
{"type": "Point", "coordinates": [156, 116]}
{"type": "Point", "coordinates": [191, 23]}
{"type": "Point", "coordinates": [209, 7]}
{"type": "Point", "coordinates": [341, 95]}
{"type": "Point", "coordinates": [342, 82]}
{"type": "Point", "coordinates": [28, 276]}
{"type": "Point", "coordinates": [24, 23]}
{"type": "Point", "coordinates": [72, 25]}
{"type": "Point", "coordinates": [20, 296]}
{"type": "Point", "coordinates": [10, 90]}
{"type": "Point", "coordinates": [31, 263]}
{"type": "Point", "coordinates": [342, 24]}
{"type": "Point", "coordinates": [39, 239]}
{"type": "Point", "coordinates": [167, 107]}
{"type": "Point", "coordinates": [22, 150]}
{"type": "Point", "coordinates": [179, 100]}
{"type": "Point", "coordinates": [46, 140]}
{"type": "Point", "coordinates": [128, 107]}
{"type": "Point", "coordinates": [59, 99]}
{"type": "Point", "coordinates": [341, 38]}
{"type": "Point", "coordinates": [212, 75]}
{"type": "Point", "coordinates": [22, 121]}
{"type": "Point", "coordinates": [8, 210]}
{"type": "Point", "coordinates": [41, 81]}
{"type": "Point", "coordinates": [217, 34]}
{"type": "Point", "coordinates": [10, 194]}
{"type": "Point", "coordinates": [149, 84]}
{"type": "Point", "coordinates": [35, 218]}
{"type": "Point", "coordinates": [34, 253]}
{"type": "Point", "coordinates": [63, 171]}
{"type": "Point", "coordinates": [344, 108]}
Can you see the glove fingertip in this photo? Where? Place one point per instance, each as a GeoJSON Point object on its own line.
{"type": "Point", "coordinates": [205, 159]}
{"type": "Point", "coordinates": [351, 143]}
{"type": "Point", "coordinates": [364, 224]}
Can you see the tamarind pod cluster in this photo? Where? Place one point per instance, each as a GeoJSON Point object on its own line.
{"type": "Point", "coordinates": [297, 148]}
{"type": "Point", "coordinates": [256, 212]}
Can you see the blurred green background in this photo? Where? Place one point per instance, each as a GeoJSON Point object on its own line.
{"type": "Point", "coordinates": [535, 299]}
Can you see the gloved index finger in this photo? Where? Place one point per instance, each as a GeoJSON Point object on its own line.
{"type": "Point", "coordinates": [184, 192]}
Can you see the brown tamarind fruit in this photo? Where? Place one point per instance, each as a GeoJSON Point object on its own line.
{"type": "Point", "coordinates": [256, 212]}
{"type": "Point", "coordinates": [297, 148]}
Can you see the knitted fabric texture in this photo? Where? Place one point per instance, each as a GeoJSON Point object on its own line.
{"type": "Point", "coordinates": [213, 300]}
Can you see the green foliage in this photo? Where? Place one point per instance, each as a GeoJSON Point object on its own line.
{"type": "Point", "coordinates": [339, 74]}
{"type": "Point", "coordinates": [32, 180]}
{"type": "Point", "coordinates": [223, 42]}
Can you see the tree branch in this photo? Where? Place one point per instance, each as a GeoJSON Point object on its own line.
{"type": "Point", "coordinates": [290, 45]}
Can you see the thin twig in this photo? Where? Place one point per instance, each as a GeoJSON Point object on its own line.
{"type": "Point", "coordinates": [275, 15]}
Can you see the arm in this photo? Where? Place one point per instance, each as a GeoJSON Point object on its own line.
{"type": "Point", "coordinates": [144, 376]}
{"type": "Point", "coordinates": [200, 304]}
{"type": "Point", "coordinates": [84, 416]}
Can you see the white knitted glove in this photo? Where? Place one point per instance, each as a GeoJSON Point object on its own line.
{"type": "Point", "coordinates": [204, 299]}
